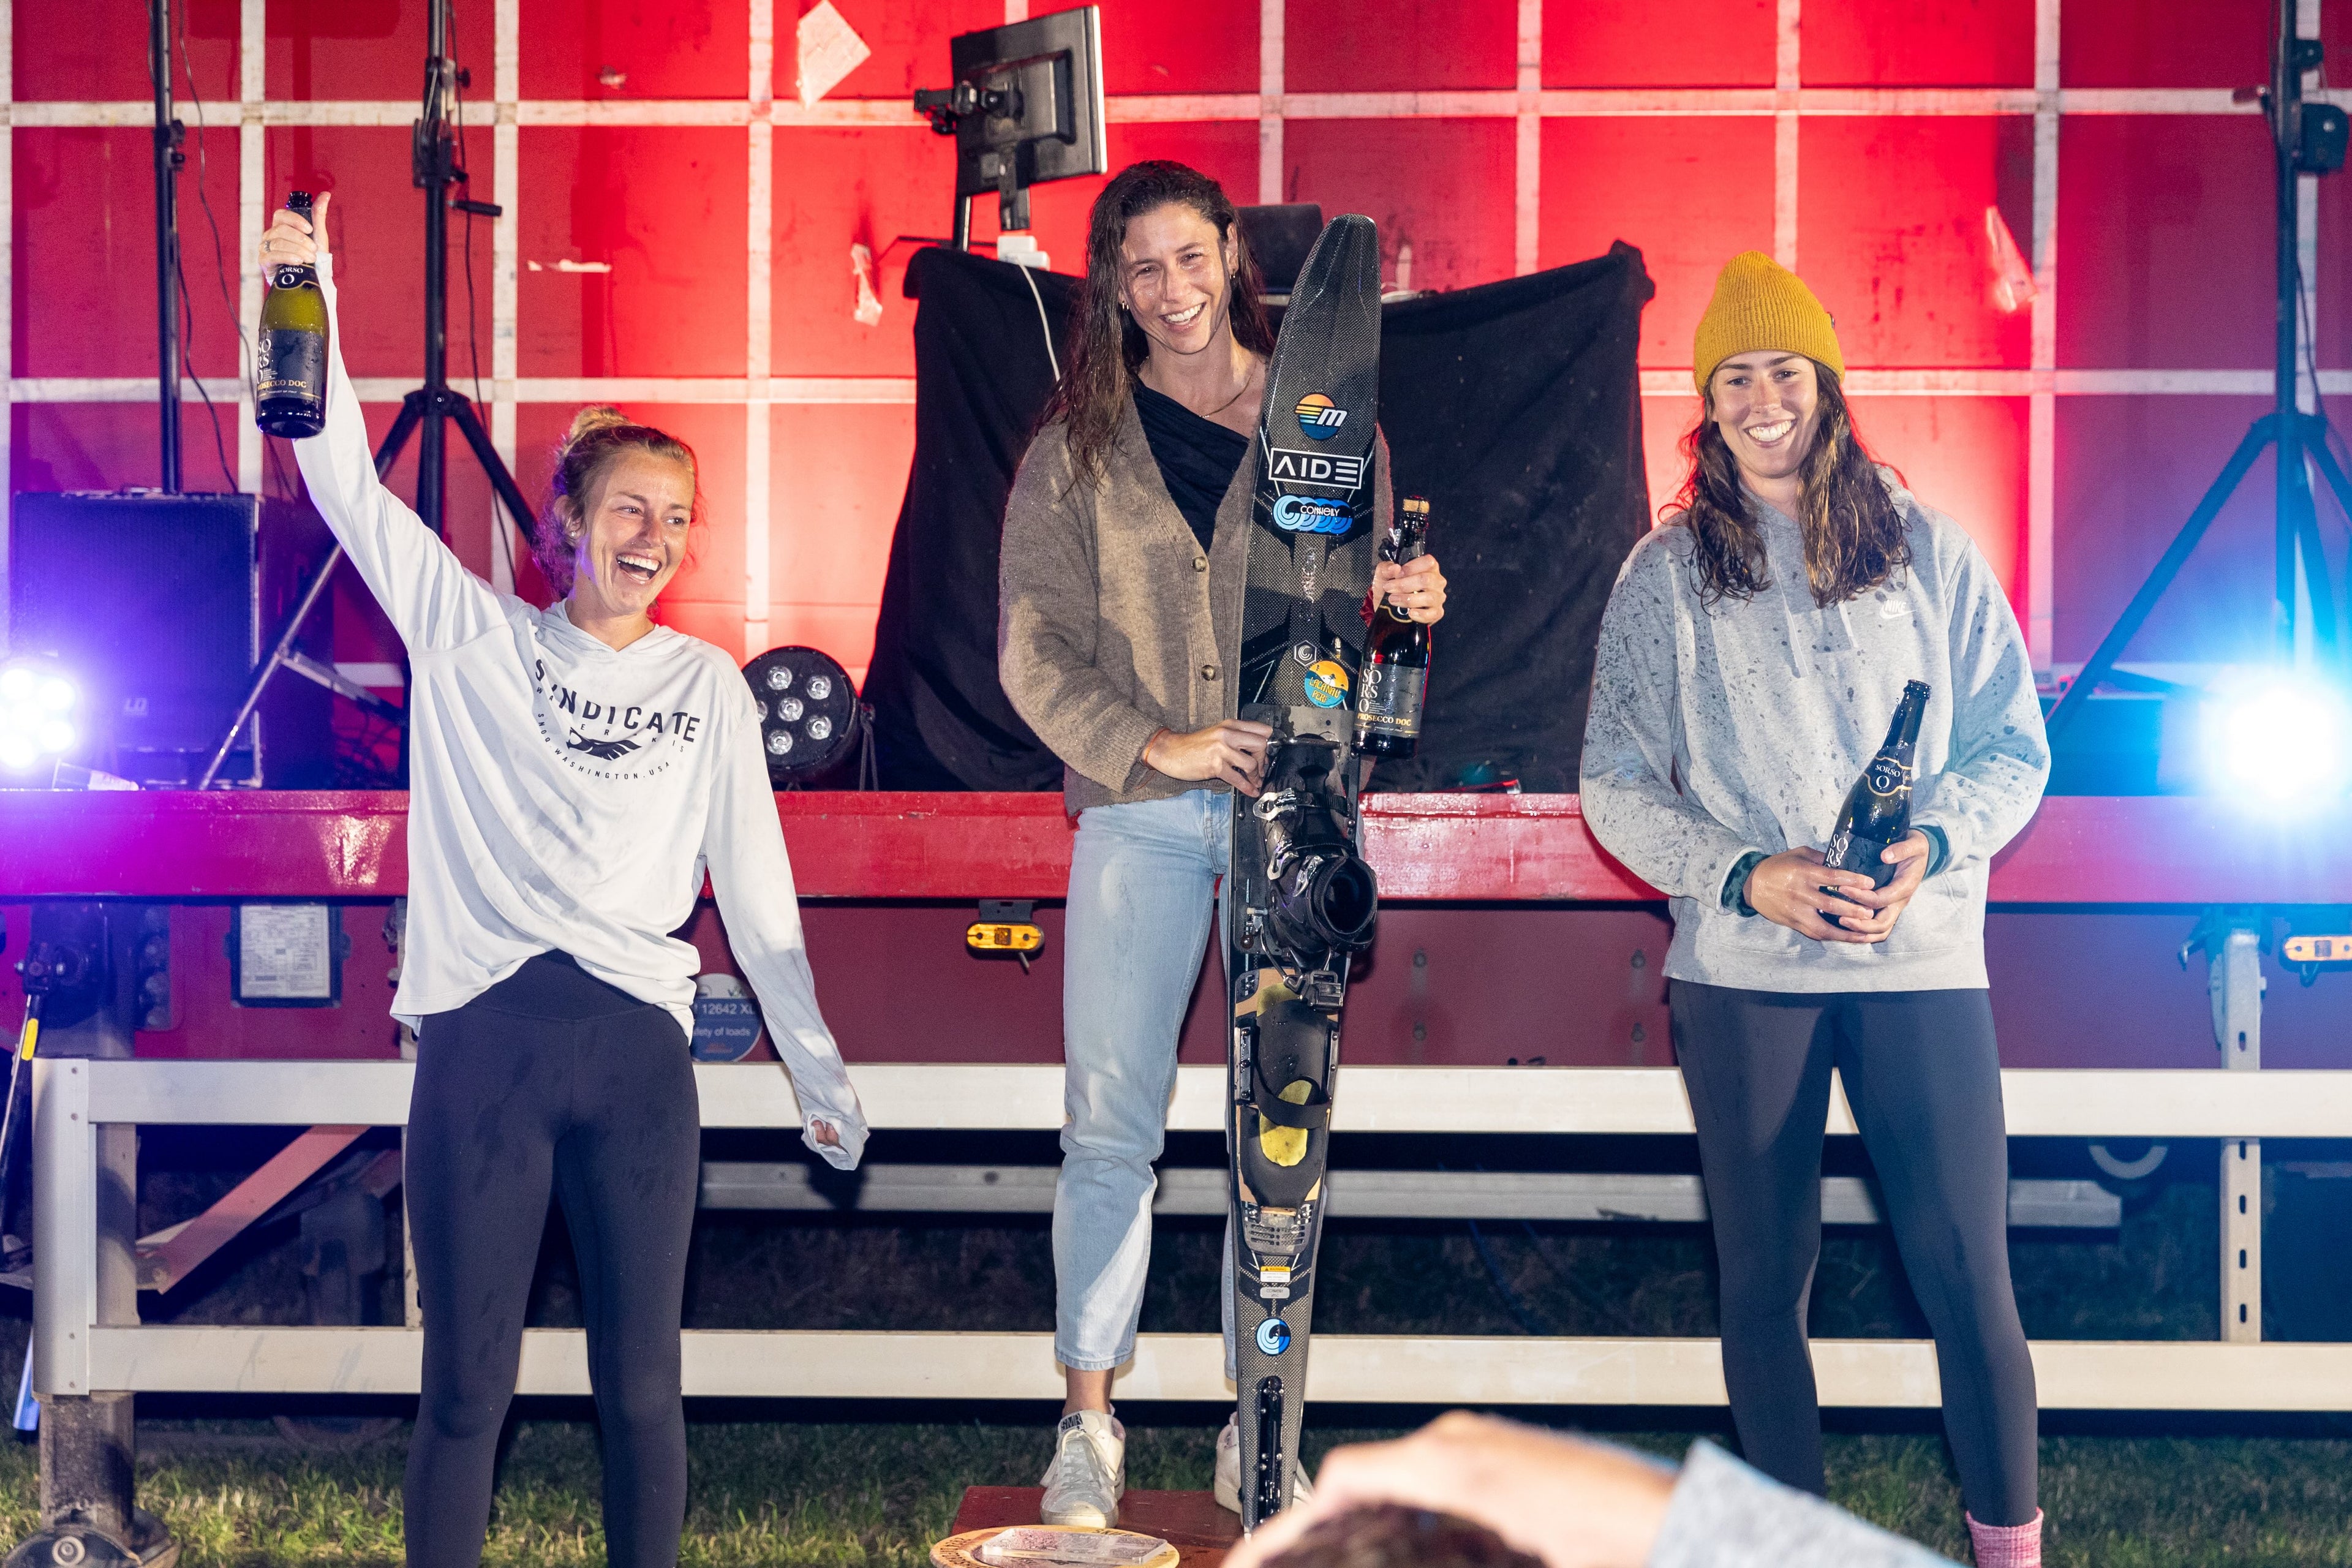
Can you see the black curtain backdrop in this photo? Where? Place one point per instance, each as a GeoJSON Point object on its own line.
{"type": "Point", "coordinates": [1514, 407]}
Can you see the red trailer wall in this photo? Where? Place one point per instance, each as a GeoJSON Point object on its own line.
{"type": "Point", "coordinates": [1491, 136]}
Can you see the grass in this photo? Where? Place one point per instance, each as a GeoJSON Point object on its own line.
{"type": "Point", "coordinates": [835, 1495]}
{"type": "Point", "coordinates": [830, 1491]}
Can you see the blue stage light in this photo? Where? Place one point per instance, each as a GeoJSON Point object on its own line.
{"type": "Point", "coordinates": [37, 708]}
{"type": "Point", "coordinates": [2281, 741]}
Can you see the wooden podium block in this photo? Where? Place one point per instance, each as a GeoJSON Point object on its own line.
{"type": "Point", "coordinates": [1191, 1522]}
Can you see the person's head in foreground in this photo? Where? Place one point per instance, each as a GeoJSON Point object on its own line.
{"type": "Point", "coordinates": [1471, 1491]}
{"type": "Point", "coordinates": [1392, 1535]}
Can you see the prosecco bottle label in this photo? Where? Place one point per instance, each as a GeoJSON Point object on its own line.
{"type": "Point", "coordinates": [293, 367]}
{"type": "Point", "coordinates": [1392, 701]}
{"type": "Point", "coordinates": [1887, 775]}
{"type": "Point", "coordinates": [1851, 851]}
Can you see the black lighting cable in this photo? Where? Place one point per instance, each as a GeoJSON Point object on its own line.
{"type": "Point", "coordinates": [179, 258]}
{"type": "Point", "coordinates": [501, 526]}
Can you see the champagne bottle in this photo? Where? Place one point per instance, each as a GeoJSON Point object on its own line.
{"type": "Point", "coordinates": [1396, 653]}
{"type": "Point", "coordinates": [1877, 811]}
{"type": "Point", "coordinates": [289, 394]}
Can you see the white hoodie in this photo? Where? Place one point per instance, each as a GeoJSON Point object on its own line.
{"type": "Point", "coordinates": [567, 795]}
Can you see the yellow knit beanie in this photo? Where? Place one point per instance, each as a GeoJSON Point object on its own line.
{"type": "Point", "coordinates": [1760, 304]}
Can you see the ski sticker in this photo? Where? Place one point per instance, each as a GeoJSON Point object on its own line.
{"type": "Point", "coordinates": [1306, 514]}
{"type": "Point", "coordinates": [1288, 465]}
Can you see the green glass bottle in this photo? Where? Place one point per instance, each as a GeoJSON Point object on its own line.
{"type": "Point", "coordinates": [289, 394]}
{"type": "Point", "coordinates": [1877, 811]}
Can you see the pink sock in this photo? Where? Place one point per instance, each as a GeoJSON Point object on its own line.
{"type": "Point", "coordinates": [2007, 1545]}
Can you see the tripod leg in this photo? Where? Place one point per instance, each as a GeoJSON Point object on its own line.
{"type": "Point", "coordinates": [2314, 441]}
{"type": "Point", "coordinates": [277, 656]}
{"type": "Point", "coordinates": [2260, 434]}
{"type": "Point", "coordinates": [411, 410]}
{"type": "Point", "coordinates": [470, 425]}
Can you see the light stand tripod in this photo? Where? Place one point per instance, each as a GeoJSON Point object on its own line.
{"type": "Point", "coordinates": [436, 163]}
{"type": "Point", "coordinates": [2306, 139]}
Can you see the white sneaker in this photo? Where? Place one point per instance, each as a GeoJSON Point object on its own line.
{"type": "Point", "coordinates": [1228, 1482]}
{"type": "Point", "coordinates": [1088, 1475]}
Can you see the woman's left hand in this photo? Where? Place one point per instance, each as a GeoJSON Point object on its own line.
{"type": "Point", "coordinates": [1908, 855]}
{"type": "Point", "coordinates": [1417, 586]}
{"type": "Point", "coordinates": [823, 1133]}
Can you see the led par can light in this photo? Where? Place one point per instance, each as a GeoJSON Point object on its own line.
{"type": "Point", "coordinates": [38, 706]}
{"type": "Point", "coordinates": [809, 714]}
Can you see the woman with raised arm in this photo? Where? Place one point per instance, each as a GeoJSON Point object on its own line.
{"type": "Point", "coordinates": [1126, 544]}
{"type": "Point", "coordinates": [1751, 656]}
{"type": "Point", "coordinates": [572, 771]}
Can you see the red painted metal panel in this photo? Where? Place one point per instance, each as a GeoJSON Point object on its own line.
{"type": "Point", "coordinates": [376, 227]}
{"type": "Point", "coordinates": [1150, 47]}
{"type": "Point", "coordinates": [830, 522]}
{"type": "Point", "coordinates": [2163, 43]}
{"type": "Point", "coordinates": [350, 48]}
{"type": "Point", "coordinates": [2130, 470]}
{"type": "Point", "coordinates": [103, 446]}
{"type": "Point", "coordinates": [1966, 458]}
{"type": "Point", "coordinates": [909, 40]}
{"type": "Point", "coordinates": [1398, 46]}
{"type": "Point", "coordinates": [84, 237]}
{"type": "Point", "coordinates": [664, 208]}
{"type": "Point", "coordinates": [2165, 241]}
{"type": "Point", "coordinates": [1446, 186]}
{"type": "Point", "coordinates": [1687, 192]}
{"type": "Point", "coordinates": [1891, 226]}
{"type": "Point", "coordinates": [1920, 43]}
{"type": "Point", "coordinates": [835, 188]}
{"type": "Point", "coordinates": [2080, 851]}
{"type": "Point", "coordinates": [682, 49]}
{"type": "Point", "coordinates": [1661, 43]}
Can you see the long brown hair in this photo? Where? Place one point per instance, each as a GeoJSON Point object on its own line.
{"type": "Point", "coordinates": [1854, 537]}
{"type": "Point", "coordinates": [600, 436]}
{"type": "Point", "coordinates": [1110, 346]}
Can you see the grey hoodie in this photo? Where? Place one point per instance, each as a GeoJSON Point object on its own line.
{"type": "Point", "coordinates": [1740, 726]}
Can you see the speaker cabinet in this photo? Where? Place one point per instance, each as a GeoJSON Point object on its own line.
{"type": "Point", "coordinates": [161, 607]}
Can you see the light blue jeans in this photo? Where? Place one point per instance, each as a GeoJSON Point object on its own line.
{"type": "Point", "coordinates": [1143, 883]}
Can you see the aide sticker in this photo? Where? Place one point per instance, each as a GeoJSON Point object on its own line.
{"type": "Point", "coordinates": [1337, 471]}
{"type": "Point", "coordinates": [1326, 683]}
{"type": "Point", "coordinates": [1273, 1336]}
{"type": "Point", "coordinates": [1319, 417]}
{"type": "Point", "coordinates": [1304, 514]}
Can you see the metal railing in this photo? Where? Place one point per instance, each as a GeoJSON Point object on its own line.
{"type": "Point", "coordinates": [87, 1339]}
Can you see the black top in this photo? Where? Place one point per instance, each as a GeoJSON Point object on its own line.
{"type": "Point", "coordinates": [1197, 458]}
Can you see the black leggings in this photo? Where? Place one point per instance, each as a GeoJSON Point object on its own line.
{"type": "Point", "coordinates": [1924, 1078]}
{"type": "Point", "coordinates": [551, 1078]}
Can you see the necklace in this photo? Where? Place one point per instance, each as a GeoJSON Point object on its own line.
{"type": "Point", "coordinates": [1247, 382]}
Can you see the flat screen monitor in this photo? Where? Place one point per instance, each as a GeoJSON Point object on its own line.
{"type": "Point", "coordinates": [1027, 107]}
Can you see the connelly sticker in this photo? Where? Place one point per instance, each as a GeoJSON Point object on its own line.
{"type": "Point", "coordinates": [1319, 417]}
{"type": "Point", "coordinates": [1327, 684]}
{"type": "Point", "coordinates": [1304, 514]}
{"type": "Point", "coordinates": [1273, 1336]}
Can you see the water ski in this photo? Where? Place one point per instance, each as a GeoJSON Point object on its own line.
{"type": "Point", "coordinates": [1302, 901]}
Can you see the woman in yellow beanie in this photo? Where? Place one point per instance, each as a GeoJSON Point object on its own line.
{"type": "Point", "coordinates": [1750, 656]}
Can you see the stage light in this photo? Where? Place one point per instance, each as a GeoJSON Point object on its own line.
{"type": "Point", "coordinates": [2280, 740]}
{"type": "Point", "coordinates": [37, 705]}
{"type": "Point", "coordinates": [810, 717]}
